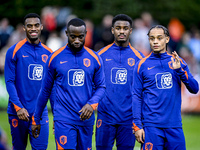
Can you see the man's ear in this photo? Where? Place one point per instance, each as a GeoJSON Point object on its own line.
{"type": "Point", "coordinates": [112, 30]}
{"type": "Point", "coordinates": [167, 39]}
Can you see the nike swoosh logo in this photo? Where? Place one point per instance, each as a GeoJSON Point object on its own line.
{"type": "Point", "coordinates": [62, 62]}
{"type": "Point", "coordinates": [150, 68]}
{"type": "Point", "coordinates": [108, 59]}
{"type": "Point", "coordinates": [24, 56]}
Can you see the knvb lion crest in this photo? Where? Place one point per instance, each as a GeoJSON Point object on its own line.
{"type": "Point", "coordinates": [14, 123]}
{"type": "Point", "coordinates": [131, 62]}
{"type": "Point", "coordinates": [148, 146]}
{"type": "Point", "coordinates": [86, 62]}
{"type": "Point", "coordinates": [44, 58]}
{"type": "Point", "coordinates": [63, 139]}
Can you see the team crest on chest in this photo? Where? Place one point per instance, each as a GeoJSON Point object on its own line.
{"type": "Point", "coordinates": [44, 58]}
{"type": "Point", "coordinates": [131, 62]}
{"type": "Point", "coordinates": [86, 62]}
{"type": "Point", "coordinates": [170, 64]}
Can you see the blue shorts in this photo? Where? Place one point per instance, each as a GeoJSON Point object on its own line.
{"type": "Point", "coordinates": [21, 129]}
{"type": "Point", "coordinates": [106, 135]}
{"type": "Point", "coordinates": [75, 137]}
{"type": "Point", "coordinates": [164, 138]}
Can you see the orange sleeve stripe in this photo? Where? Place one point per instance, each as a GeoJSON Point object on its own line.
{"type": "Point", "coordinates": [47, 48]}
{"type": "Point", "coordinates": [94, 106]}
{"type": "Point", "coordinates": [93, 54]}
{"type": "Point", "coordinates": [17, 108]}
{"type": "Point", "coordinates": [105, 49]}
{"type": "Point", "coordinates": [18, 46]}
{"type": "Point", "coordinates": [58, 146]}
{"type": "Point", "coordinates": [181, 60]}
{"type": "Point", "coordinates": [186, 74]}
{"type": "Point", "coordinates": [56, 53]}
{"type": "Point", "coordinates": [135, 128]}
{"type": "Point", "coordinates": [136, 52]}
{"type": "Point", "coordinates": [33, 121]}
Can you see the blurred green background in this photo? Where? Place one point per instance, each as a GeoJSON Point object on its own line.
{"type": "Point", "coordinates": [162, 10]}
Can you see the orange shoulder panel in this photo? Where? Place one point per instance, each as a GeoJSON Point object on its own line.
{"type": "Point", "coordinates": [56, 53]}
{"type": "Point", "coordinates": [142, 61]}
{"type": "Point", "coordinates": [47, 48]}
{"type": "Point", "coordinates": [93, 54]}
{"type": "Point", "coordinates": [18, 46]}
{"type": "Point", "coordinates": [136, 52]}
{"type": "Point", "coordinates": [105, 49]}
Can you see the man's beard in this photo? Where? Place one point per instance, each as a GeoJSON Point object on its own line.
{"type": "Point", "coordinates": [74, 48]}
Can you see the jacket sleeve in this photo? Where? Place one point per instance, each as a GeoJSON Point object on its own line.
{"type": "Point", "coordinates": [187, 78]}
{"type": "Point", "coordinates": [10, 79]}
{"type": "Point", "coordinates": [137, 99]}
{"type": "Point", "coordinates": [44, 94]}
{"type": "Point", "coordinates": [99, 85]}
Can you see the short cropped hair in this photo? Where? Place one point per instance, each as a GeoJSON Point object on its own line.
{"type": "Point", "coordinates": [122, 17]}
{"type": "Point", "coordinates": [31, 15]}
{"type": "Point", "coordinates": [76, 22]}
{"type": "Point", "coordinates": [166, 32]}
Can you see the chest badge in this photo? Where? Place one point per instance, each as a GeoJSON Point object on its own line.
{"type": "Point", "coordinates": [86, 62]}
{"type": "Point", "coordinates": [44, 58]}
{"type": "Point", "coordinates": [131, 62]}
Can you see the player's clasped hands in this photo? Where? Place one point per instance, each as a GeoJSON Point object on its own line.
{"type": "Point", "coordinates": [86, 112]}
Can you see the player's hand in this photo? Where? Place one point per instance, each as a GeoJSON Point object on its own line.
{"type": "Point", "coordinates": [86, 112]}
{"type": "Point", "coordinates": [140, 136]}
{"type": "Point", "coordinates": [35, 130]}
{"type": "Point", "coordinates": [23, 114]}
{"type": "Point", "coordinates": [175, 60]}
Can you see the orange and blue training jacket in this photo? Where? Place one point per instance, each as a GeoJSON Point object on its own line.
{"type": "Point", "coordinates": [24, 72]}
{"type": "Point", "coordinates": [157, 91]}
{"type": "Point", "coordinates": [72, 77]}
{"type": "Point", "coordinates": [119, 63]}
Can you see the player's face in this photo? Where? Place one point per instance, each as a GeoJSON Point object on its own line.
{"type": "Point", "coordinates": [33, 29]}
{"type": "Point", "coordinates": [158, 40]}
{"type": "Point", "coordinates": [121, 31]}
{"type": "Point", "coordinates": [76, 37]}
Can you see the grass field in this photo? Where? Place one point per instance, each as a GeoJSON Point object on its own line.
{"type": "Point", "coordinates": [190, 126]}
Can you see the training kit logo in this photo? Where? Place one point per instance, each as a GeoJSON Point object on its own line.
{"type": "Point", "coordinates": [14, 123]}
{"type": "Point", "coordinates": [164, 80]}
{"type": "Point", "coordinates": [99, 123]}
{"type": "Point", "coordinates": [148, 146]}
{"type": "Point", "coordinates": [86, 62]}
{"type": "Point", "coordinates": [76, 77]}
{"type": "Point", "coordinates": [63, 139]}
{"type": "Point", "coordinates": [44, 58]}
{"type": "Point", "coordinates": [35, 72]}
{"type": "Point", "coordinates": [131, 62]}
{"type": "Point", "coordinates": [118, 75]}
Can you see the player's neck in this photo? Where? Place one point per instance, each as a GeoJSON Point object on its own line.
{"type": "Point", "coordinates": [122, 44]}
